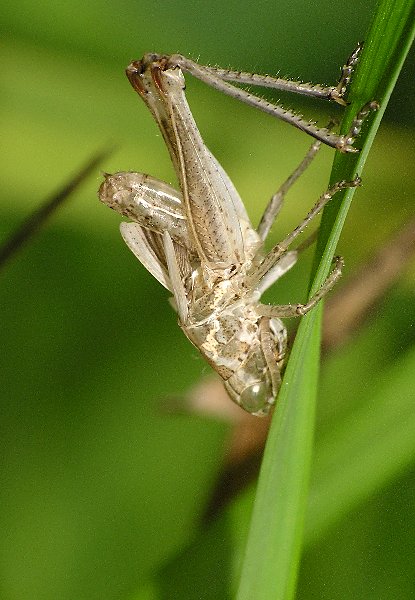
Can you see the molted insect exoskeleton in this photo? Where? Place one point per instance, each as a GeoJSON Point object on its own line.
{"type": "Point", "coordinates": [200, 244]}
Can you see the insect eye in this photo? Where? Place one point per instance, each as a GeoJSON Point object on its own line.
{"type": "Point", "coordinates": [257, 398]}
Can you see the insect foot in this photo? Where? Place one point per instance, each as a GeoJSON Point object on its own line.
{"type": "Point", "coordinates": [198, 241]}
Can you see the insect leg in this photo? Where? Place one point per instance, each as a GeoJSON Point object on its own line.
{"type": "Point", "coordinates": [284, 264]}
{"type": "Point", "coordinates": [256, 274]}
{"type": "Point", "coordinates": [147, 251]}
{"type": "Point", "coordinates": [346, 75]}
{"type": "Point", "coordinates": [268, 347]}
{"type": "Point", "coordinates": [348, 139]}
{"type": "Point", "coordinates": [335, 93]}
{"type": "Point", "coordinates": [275, 204]}
{"type": "Point", "coordinates": [297, 310]}
{"type": "Point", "coordinates": [343, 143]}
{"type": "Point", "coordinates": [175, 278]}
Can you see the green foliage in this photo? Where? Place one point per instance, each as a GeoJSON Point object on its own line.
{"type": "Point", "coordinates": [102, 490]}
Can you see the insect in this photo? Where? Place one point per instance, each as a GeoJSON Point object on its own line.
{"type": "Point", "coordinates": [199, 243]}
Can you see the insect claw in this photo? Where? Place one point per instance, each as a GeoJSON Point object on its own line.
{"type": "Point", "coordinates": [336, 97]}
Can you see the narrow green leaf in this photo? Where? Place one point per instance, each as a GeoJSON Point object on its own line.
{"type": "Point", "coordinates": [274, 543]}
{"type": "Point", "coordinates": [386, 46]}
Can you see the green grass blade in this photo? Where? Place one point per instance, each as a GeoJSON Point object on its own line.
{"type": "Point", "coordinates": [274, 543]}
{"type": "Point", "coordinates": [388, 41]}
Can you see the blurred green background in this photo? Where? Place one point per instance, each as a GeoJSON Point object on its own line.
{"type": "Point", "coordinates": [101, 491]}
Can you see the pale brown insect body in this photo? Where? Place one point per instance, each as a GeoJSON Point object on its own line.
{"type": "Point", "coordinates": [200, 244]}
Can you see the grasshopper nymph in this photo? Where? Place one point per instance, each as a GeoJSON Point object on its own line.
{"type": "Point", "coordinates": [200, 244]}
